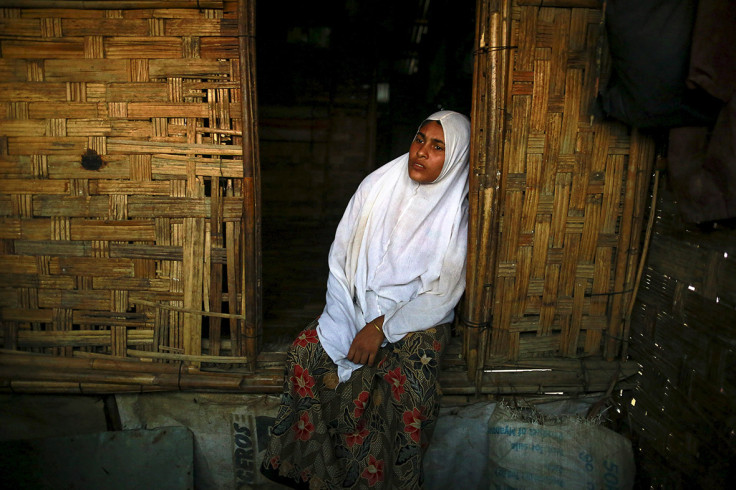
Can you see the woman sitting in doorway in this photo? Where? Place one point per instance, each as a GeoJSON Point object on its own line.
{"type": "Point", "coordinates": [361, 393]}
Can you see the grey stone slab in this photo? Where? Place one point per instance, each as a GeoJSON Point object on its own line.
{"type": "Point", "coordinates": [230, 432]}
{"type": "Point", "coordinates": [133, 459]}
{"type": "Point", "coordinates": [36, 416]}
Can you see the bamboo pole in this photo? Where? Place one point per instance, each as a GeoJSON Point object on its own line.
{"type": "Point", "coordinates": [87, 360]}
{"type": "Point", "coordinates": [191, 311]}
{"type": "Point", "coordinates": [477, 159]}
{"type": "Point", "coordinates": [24, 367]}
{"type": "Point", "coordinates": [488, 121]}
{"type": "Point", "coordinates": [72, 388]}
{"type": "Point", "coordinates": [173, 381]}
{"type": "Point", "coordinates": [250, 227]}
{"type": "Point", "coordinates": [233, 132]}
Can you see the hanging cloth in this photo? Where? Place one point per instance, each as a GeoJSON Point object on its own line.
{"type": "Point", "coordinates": [702, 160]}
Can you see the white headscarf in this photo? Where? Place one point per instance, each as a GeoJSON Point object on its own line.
{"type": "Point", "coordinates": [399, 250]}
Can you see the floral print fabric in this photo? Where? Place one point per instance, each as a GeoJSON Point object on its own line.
{"type": "Point", "coordinates": [369, 432]}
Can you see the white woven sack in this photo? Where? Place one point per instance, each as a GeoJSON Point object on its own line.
{"type": "Point", "coordinates": [558, 452]}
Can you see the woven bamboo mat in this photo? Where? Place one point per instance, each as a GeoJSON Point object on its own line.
{"type": "Point", "coordinates": [122, 190]}
{"type": "Point", "coordinates": [557, 196]}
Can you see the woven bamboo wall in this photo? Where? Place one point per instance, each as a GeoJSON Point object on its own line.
{"type": "Point", "coordinates": [556, 195]}
{"type": "Point", "coordinates": [684, 337]}
{"type": "Point", "coordinates": [137, 257]}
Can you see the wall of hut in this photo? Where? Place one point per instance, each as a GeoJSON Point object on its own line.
{"type": "Point", "coordinates": [153, 254]}
{"type": "Point", "coordinates": [129, 218]}
{"type": "Point", "coordinates": [556, 195]}
{"type": "Point", "coordinates": [683, 335]}
{"type": "Point", "coordinates": [127, 160]}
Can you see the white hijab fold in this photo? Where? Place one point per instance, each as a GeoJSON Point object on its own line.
{"type": "Point", "coordinates": [399, 250]}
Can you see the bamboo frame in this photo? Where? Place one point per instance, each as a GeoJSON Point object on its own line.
{"type": "Point", "coordinates": [127, 260]}
{"type": "Point", "coordinates": [93, 375]}
{"type": "Point", "coordinates": [191, 229]}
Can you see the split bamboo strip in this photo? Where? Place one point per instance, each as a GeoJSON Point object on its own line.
{"type": "Point", "coordinates": [28, 339]}
{"type": "Point", "coordinates": [215, 359]}
{"type": "Point", "coordinates": [117, 126]}
{"type": "Point", "coordinates": [233, 132]}
{"type": "Point", "coordinates": [590, 4]}
{"type": "Point", "coordinates": [193, 278]}
{"type": "Point", "coordinates": [206, 267]}
{"type": "Point", "coordinates": [153, 147]}
{"type": "Point", "coordinates": [232, 283]}
{"type": "Point", "coordinates": [216, 277]}
{"type": "Point", "coordinates": [174, 165]}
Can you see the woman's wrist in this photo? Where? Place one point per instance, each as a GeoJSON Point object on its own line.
{"type": "Point", "coordinates": [377, 323]}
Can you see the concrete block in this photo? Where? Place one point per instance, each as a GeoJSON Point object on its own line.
{"type": "Point", "coordinates": [133, 459]}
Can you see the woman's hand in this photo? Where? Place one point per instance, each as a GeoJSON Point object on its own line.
{"type": "Point", "coordinates": [365, 345]}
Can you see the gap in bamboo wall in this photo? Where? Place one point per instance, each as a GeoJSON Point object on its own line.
{"type": "Point", "coordinates": [323, 131]}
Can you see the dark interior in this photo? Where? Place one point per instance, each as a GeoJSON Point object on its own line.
{"type": "Point", "coordinates": [325, 121]}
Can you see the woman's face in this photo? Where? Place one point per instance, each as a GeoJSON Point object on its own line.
{"type": "Point", "coordinates": [427, 153]}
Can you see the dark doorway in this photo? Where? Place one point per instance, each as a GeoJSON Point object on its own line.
{"type": "Point", "coordinates": [342, 86]}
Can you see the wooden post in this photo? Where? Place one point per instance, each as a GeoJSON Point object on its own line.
{"type": "Point", "coordinates": [251, 225]}
{"type": "Point", "coordinates": [486, 153]}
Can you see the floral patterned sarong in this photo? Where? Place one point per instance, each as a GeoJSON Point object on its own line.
{"type": "Point", "coordinates": [369, 432]}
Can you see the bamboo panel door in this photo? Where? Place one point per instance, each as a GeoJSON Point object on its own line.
{"type": "Point", "coordinates": [128, 181]}
{"type": "Point", "coordinates": [556, 195]}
